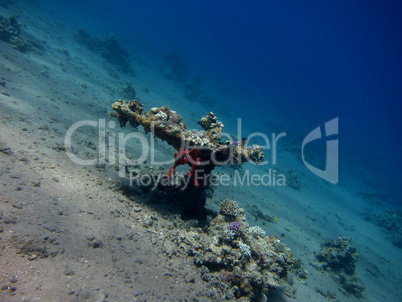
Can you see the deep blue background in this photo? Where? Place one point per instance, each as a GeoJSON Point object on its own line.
{"type": "Point", "coordinates": [295, 63]}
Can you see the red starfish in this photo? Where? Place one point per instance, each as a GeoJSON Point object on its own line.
{"type": "Point", "coordinates": [189, 157]}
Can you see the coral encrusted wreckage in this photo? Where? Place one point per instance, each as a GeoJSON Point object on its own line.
{"type": "Point", "coordinates": [202, 150]}
{"type": "Point", "coordinates": [238, 262]}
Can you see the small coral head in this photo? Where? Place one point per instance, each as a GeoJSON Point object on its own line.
{"type": "Point", "coordinates": [234, 227]}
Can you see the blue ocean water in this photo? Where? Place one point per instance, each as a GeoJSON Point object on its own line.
{"type": "Point", "coordinates": [283, 64]}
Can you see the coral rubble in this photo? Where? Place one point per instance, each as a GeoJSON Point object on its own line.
{"type": "Point", "coordinates": [10, 32]}
{"type": "Point", "coordinates": [293, 179]}
{"type": "Point", "coordinates": [173, 67]}
{"type": "Point", "coordinates": [237, 259]}
{"type": "Point", "coordinates": [340, 257]}
{"type": "Point", "coordinates": [109, 48]}
{"type": "Point", "coordinates": [391, 222]}
{"type": "Point", "coordinates": [129, 91]}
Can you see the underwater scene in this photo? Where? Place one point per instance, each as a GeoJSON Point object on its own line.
{"type": "Point", "coordinates": [200, 150]}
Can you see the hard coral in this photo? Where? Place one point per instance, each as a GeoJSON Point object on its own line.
{"type": "Point", "coordinates": [257, 231]}
{"type": "Point", "coordinates": [234, 227]}
{"type": "Point", "coordinates": [391, 223]}
{"type": "Point", "coordinates": [245, 250]}
{"type": "Point", "coordinates": [10, 32]}
{"type": "Point", "coordinates": [229, 208]}
{"type": "Point", "coordinates": [241, 266]}
{"type": "Point", "coordinates": [213, 127]}
{"type": "Point", "coordinates": [108, 47]}
{"type": "Point", "coordinates": [338, 255]}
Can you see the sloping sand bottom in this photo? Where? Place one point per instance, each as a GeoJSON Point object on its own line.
{"type": "Point", "coordinates": [68, 233]}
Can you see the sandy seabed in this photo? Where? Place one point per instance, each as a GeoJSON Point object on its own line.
{"type": "Point", "coordinates": [67, 231]}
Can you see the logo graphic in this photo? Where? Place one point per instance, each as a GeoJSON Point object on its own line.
{"type": "Point", "coordinates": [331, 172]}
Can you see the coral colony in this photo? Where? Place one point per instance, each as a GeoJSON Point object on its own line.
{"type": "Point", "coordinates": [245, 266]}
{"type": "Point", "coordinates": [234, 227]}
